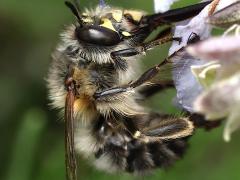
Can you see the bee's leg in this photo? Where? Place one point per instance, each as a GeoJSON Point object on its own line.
{"type": "Point", "coordinates": [143, 48]}
{"type": "Point", "coordinates": [125, 53]}
{"type": "Point", "coordinates": [159, 127]}
{"type": "Point", "coordinates": [199, 121]}
{"type": "Point", "coordinates": [164, 33]}
{"type": "Point", "coordinates": [131, 152]}
{"type": "Point", "coordinates": [155, 88]}
{"type": "Point", "coordinates": [162, 137]}
{"type": "Point", "coordinates": [162, 40]}
{"type": "Point", "coordinates": [145, 77]}
{"type": "Point", "coordinates": [166, 127]}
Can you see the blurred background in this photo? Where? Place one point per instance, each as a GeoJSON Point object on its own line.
{"type": "Point", "coordinates": [32, 135]}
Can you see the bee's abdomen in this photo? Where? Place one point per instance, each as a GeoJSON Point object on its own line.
{"type": "Point", "coordinates": [140, 158]}
{"type": "Point", "coordinates": [144, 157]}
{"type": "Point", "coordinates": [127, 153]}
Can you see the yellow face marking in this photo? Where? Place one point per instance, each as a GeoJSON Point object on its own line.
{"type": "Point", "coordinates": [107, 24]}
{"type": "Point", "coordinates": [117, 15]}
{"type": "Point", "coordinates": [125, 33]}
{"type": "Point", "coordinates": [136, 15]}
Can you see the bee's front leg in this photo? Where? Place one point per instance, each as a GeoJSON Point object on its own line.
{"type": "Point", "coordinates": [143, 48]}
{"type": "Point", "coordinates": [144, 78]}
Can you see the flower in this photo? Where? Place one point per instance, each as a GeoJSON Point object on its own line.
{"type": "Point", "coordinates": [163, 5]}
{"type": "Point", "coordinates": [221, 78]}
{"type": "Point", "coordinates": [188, 88]}
{"type": "Point", "coordinates": [208, 75]}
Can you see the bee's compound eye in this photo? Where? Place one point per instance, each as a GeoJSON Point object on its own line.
{"type": "Point", "coordinates": [97, 35]}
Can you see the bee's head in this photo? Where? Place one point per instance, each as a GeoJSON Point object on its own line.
{"type": "Point", "coordinates": [108, 29]}
{"type": "Point", "coordinates": [98, 35]}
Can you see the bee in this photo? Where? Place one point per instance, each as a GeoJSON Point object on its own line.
{"type": "Point", "coordinates": [94, 77]}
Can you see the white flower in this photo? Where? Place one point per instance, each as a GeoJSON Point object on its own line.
{"type": "Point", "coordinates": [188, 88]}
{"type": "Point", "coordinates": [208, 82]}
{"type": "Point", "coordinates": [163, 5]}
{"type": "Point", "coordinates": [206, 73]}
{"type": "Point", "coordinates": [221, 79]}
{"type": "Point", "coordinates": [222, 100]}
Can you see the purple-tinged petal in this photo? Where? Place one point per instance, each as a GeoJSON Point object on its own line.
{"type": "Point", "coordinates": [188, 87]}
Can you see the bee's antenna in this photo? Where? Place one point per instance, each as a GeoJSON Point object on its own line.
{"type": "Point", "coordinates": [102, 3]}
{"type": "Point", "coordinates": [77, 4]}
{"type": "Point", "coordinates": [75, 10]}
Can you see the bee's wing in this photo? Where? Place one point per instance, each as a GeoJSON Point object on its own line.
{"type": "Point", "coordinates": [70, 156]}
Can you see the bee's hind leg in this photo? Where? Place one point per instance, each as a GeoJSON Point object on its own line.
{"type": "Point", "coordinates": [200, 121]}
{"type": "Point", "coordinates": [164, 127]}
{"type": "Point", "coordinates": [160, 141]}
{"type": "Point", "coordinates": [146, 142]}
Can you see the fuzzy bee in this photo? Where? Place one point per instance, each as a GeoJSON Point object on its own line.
{"type": "Point", "coordinates": [95, 78]}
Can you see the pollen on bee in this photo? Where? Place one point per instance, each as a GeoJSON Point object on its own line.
{"type": "Point", "coordinates": [137, 134]}
{"type": "Point", "coordinates": [117, 15]}
{"type": "Point", "coordinates": [125, 33]}
{"type": "Point", "coordinates": [81, 104]}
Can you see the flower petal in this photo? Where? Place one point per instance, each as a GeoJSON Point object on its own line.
{"type": "Point", "coordinates": [220, 99]}
{"type": "Point", "coordinates": [225, 49]}
{"type": "Point", "coordinates": [163, 5]}
{"type": "Point", "coordinates": [232, 124]}
{"type": "Point", "coordinates": [196, 25]}
{"type": "Point", "coordinates": [188, 88]}
{"type": "Point", "coordinates": [206, 73]}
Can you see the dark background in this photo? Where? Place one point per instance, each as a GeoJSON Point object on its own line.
{"type": "Point", "coordinates": [32, 145]}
